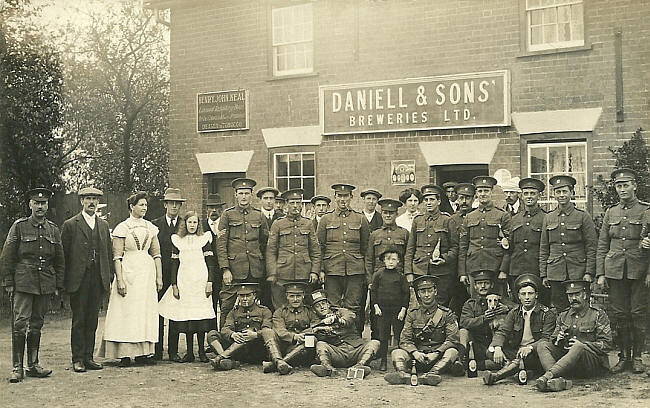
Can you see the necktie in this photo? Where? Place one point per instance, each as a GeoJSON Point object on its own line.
{"type": "Point", "coordinates": [527, 337]}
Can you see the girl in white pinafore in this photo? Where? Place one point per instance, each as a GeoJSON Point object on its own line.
{"type": "Point", "coordinates": [188, 301]}
{"type": "Point", "coordinates": [131, 326]}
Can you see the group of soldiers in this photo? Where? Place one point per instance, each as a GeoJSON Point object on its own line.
{"type": "Point", "coordinates": [518, 277]}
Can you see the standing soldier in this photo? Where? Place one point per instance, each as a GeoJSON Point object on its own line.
{"type": "Point", "coordinates": [432, 247]}
{"type": "Point", "coordinates": [292, 253]}
{"type": "Point", "coordinates": [370, 198]}
{"type": "Point", "coordinates": [567, 249]}
{"type": "Point", "coordinates": [321, 206]}
{"type": "Point", "coordinates": [390, 235]}
{"type": "Point", "coordinates": [464, 197]}
{"type": "Point", "coordinates": [215, 206]}
{"type": "Point", "coordinates": [343, 237]}
{"type": "Point", "coordinates": [483, 235]}
{"type": "Point", "coordinates": [526, 234]}
{"type": "Point", "coordinates": [241, 244]}
{"type": "Point", "coordinates": [622, 266]}
{"type": "Point", "coordinates": [32, 267]}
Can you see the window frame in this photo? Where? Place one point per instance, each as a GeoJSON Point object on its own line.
{"type": "Point", "coordinates": [273, 68]}
{"type": "Point", "coordinates": [274, 169]}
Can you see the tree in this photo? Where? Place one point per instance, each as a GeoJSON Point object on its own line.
{"type": "Point", "coordinates": [633, 154]}
{"type": "Point", "coordinates": [117, 101]}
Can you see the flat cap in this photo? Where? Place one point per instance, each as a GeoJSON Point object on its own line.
{"type": "Point", "coordinates": [320, 198]}
{"type": "Point", "coordinates": [293, 194]}
{"type": "Point", "coordinates": [90, 191]}
{"type": "Point", "coordinates": [562, 181]}
{"type": "Point", "coordinates": [431, 189]}
{"type": "Point", "coordinates": [389, 204]}
{"type": "Point", "coordinates": [239, 183]}
{"type": "Point", "coordinates": [263, 190]}
{"type": "Point", "coordinates": [530, 182]}
{"type": "Point", "coordinates": [370, 191]}
{"type": "Point", "coordinates": [466, 189]}
{"type": "Point", "coordinates": [343, 188]}
{"type": "Point", "coordinates": [528, 279]}
{"type": "Point", "coordinates": [40, 194]}
{"type": "Point", "coordinates": [619, 175]}
{"type": "Point", "coordinates": [484, 181]}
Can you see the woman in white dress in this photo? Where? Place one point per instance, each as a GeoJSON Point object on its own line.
{"type": "Point", "coordinates": [131, 326]}
{"type": "Point", "coordinates": [188, 301]}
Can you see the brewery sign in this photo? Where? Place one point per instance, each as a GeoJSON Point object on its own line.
{"type": "Point", "coordinates": [402, 172]}
{"type": "Point", "coordinates": [480, 99]}
{"type": "Point", "coordinates": [222, 111]}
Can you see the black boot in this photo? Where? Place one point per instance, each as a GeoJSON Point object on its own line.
{"type": "Point", "coordinates": [638, 344]}
{"type": "Point", "coordinates": [223, 361]}
{"type": "Point", "coordinates": [366, 357]}
{"type": "Point", "coordinates": [277, 363]}
{"type": "Point", "coordinates": [400, 376]}
{"type": "Point", "coordinates": [325, 368]}
{"type": "Point", "coordinates": [433, 376]}
{"type": "Point", "coordinates": [18, 344]}
{"type": "Point", "coordinates": [189, 355]}
{"type": "Point", "coordinates": [510, 368]}
{"type": "Point", "coordinates": [295, 354]}
{"type": "Point", "coordinates": [200, 339]}
{"type": "Point", "coordinates": [33, 368]}
{"type": "Point", "coordinates": [624, 355]}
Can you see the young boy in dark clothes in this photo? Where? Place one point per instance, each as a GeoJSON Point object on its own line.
{"type": "Point", "coordinates": [389, 294]}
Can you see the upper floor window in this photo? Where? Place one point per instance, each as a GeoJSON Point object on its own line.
{"type": "Point", "coordinates": [554, 24]}
{"type": "Point", "coordinates": [293, 46]}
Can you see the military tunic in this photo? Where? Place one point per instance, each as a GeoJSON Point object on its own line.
{"type": "Point", "coordinates": [524, 241]}
{"type": "Point", "coordinates": [382, 239]}
{"type": "Point", "coordinates": [287, 322]}
{"type": "Point", "coordinates": [429, 329]}
{"type": "Point", "coordinates": [473, 319]}
{"type": "Point", "coordinates": [509, 335]}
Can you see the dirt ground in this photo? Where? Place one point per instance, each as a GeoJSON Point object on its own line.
{"type": "Point", "coordinates": [180, 385]}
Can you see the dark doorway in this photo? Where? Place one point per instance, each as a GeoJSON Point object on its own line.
{"type": "Point", "coordinates": [221, 183]}
{"type": "Point", "coordinates": [461, 173]}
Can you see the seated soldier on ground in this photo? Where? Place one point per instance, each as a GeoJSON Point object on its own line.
{"type": "Point", "coordinates": [477, 320]}
{"type": "Point", "coordinates": [523, 328]}
{"type": "Point", "coordinates": [429, 337]}
{"type": "Point", "coordinates": [246, 334]}
{"type": "Point", "coordinates": [291, 322]}
{"type": "Point", "coordinates": [339, 343]}
{"type": "Point", "coordinates": [579, 344]}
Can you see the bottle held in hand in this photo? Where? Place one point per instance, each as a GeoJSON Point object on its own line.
{"type": "Point", "coordinates": [436, 252]}
{"type": "Point", "coordinates": [522, 375]}
{"type": "Point", "coordinates": [503, 240]}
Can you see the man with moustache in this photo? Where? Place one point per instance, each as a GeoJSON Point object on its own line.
{"type": "Point", "coordinates": [622, 266]}
{"type": "Point", "coordinates": [211, 223]}
{"type": "Point", "coordinates": [370, 197]}
{"type": "Point", "coordinates": [167, 226]}
{"type": "Point", "coordinates": [526, 234]}
{"type": "Point", "coordinates": [321, 205]}
{"type": "Point", "coordinates": [512, 192]}
{"type": "Point", "coordinates": [464, 197]}
{"type": "Point", "coordinates": [32, 268]}
{"type": "Point", "coordinates": [452, 194]}
{"type": "Point", "coordinates": [567, 249]}
{"type": "Point", "coordinates": [579, 344]}
{"type": "Point", "coordinates": [88, 253]}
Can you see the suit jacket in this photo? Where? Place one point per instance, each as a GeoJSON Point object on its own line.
{"type": "Point", "coordinates": [375, 222]}
{"type": "Point", "coordinates": [76, 240]}
{"type": "Point", "coordinates": [269, 221]}
{"type": "Point", "coordinates": [165, 238]}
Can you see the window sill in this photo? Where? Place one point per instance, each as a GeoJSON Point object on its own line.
{"type": "Point", "coordinates": [293, 76]}
{"type": "Point", "coordinates": [585, 47]}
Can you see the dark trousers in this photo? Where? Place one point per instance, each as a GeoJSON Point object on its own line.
{"type": "Point", "coordinates": [578, 361]}
{"type": "Point", "coordinates": [85, 304]}
{"type": "Point", "coordinates": [558, 296]}
{"type": "Point", "coordinates": [628, 302]}
{"type": "Point", "coordinates": [228, 296]}
{"type": "Point", "coordinates": [385, 322]}
{"type": "Point", "coordinates": [216, 289]}
{"type": "Point", "coordinates": [253, 351]}
{"type": "Point", "coordinates": [29, 313]}
{"type": "Point", "coordinates": [172, 333]}
{"type": "Point", "coordinates": [445, 289]}
{"type": "Point", "coordinates": [346, 291]}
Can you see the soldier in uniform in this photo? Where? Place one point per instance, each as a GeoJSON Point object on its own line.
{"type": "Point", "coordinates": [389, 235]}
{"type": "Point", "coordinates": [292, 253]}
{"type": "Point", "coordinates": [482, 237]}
{"type": "Point", "coordinates": [526, 234]}
{"type": "Point", "coordinates": [622, 266]}
{"type": "Point", "coordinates": [339, 343]}
{"type": "Point", "coordinates": [215, 207]}
{"type": "Point", "coordinates": [241, 244]}
{"type": "Point", "coordinates": [475, 318]}
{"type": "Point", "coordinates": [370, 197]}
{"type": "Point", "coordinates": [343, 237]}
{"type": "Point", "coordinates": [32, 267]}
{"type": "Point", "coordinates": [432, 247]}
{"type": "Point", "coordinates": [579, 344]}
{"type": "Point", "coordinates": [279, 204]}
{"type": "Point", "coordinates": [292, 321]}
{"type": "Point", "coordinates": [524, 327]}
{"type": "Point", "coordinates": [567, 249]}
{"type": "Point", "coordinates": [247, 335]}
{"type": "Point", "coordinates": [452, 194]}
{"type": "Point", "coordinates": [464, 196]}
{"type": "Point", "coordinates": [321, 205]}
{"type": "Point", "coordinates": [430, 338]}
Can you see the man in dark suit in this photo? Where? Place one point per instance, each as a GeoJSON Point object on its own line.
{"type": "Point", "coordinates": [321, 206]}
{"type": "Point", "coordinates": [215, 207]}
{"type": "Point", "coordinates": [88, 270]}
{"type": "Point", "coordinates": [267, 196]}
{"type": "Point", "coordinates": [370, 198]}
{"type": "Point", "coordinates": [167, 226]}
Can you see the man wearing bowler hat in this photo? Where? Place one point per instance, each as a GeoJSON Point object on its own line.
{"type": "Point", "coordinates": [211, 223]}
{"type": "Point", "coordinates": [484, 237]}
{"type": "Point", "coordinates": [567, 249]}
{"type": "Point", "coordinates": [88, 252]}
{"type": "Point", "coordinates": [241, 244]}
{"type": "Point", "coordinates": [622, 266]}
{"type": "Point", "coordinates": [343, 237]}
{"type": "Point", "coordinates": [370, 197]}
{"type": "Point", "coordinates": [526, 234]}
{"type": "Point", "coordinates": [292, 252]}
{"type": "Point", "coordinates": [32, 268]}
{"type": "Point", "coordinates": [167, 226]}
{"type": "Point", "coordinates": [432, 248]}
{"type": "Point", "coordinates": [321, 205]}
{"type": "Point", "coordinates": [579, 344]}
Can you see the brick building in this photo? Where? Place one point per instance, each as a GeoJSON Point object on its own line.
{"type": "Point", "coordinates": [334, 91]}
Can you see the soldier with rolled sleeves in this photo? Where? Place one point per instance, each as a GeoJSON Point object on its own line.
{"type": "Point", "coordinates": [622, 266]}
{"type": "Point", "coordinates": [247, 335]}
{"type": "Point", "coordinates": [321, 205]}
{"type": "Point", "coordinates": [343, 237]}
{"type": "Point", "coordinates": [524, 327]}
{"type": "Point", "coordinates": [526, 234]}
{"type": "Point", "coordinates": [215, 207]}
{"type": "Point", "coordinates": [567, 249]}
{"type": "Point", "coordinates": [339, 343]}
{"type": "Point", "coordinates": [483, 235]}
{"type": "Point", "coordinates": [292, 252]}
{"type": "Point", "coordinates": [464, 197]}
{"type": "Point", "coordinates": [430, 337]}
{"type": "Point", "coordinates": [579, 344]}
{"type": "Point", "coordinates": [291, 322]}
{"type": "Point", "coordinates": [241, 245]}
{"type": "Point", "coordinates": [32, 267]}
{"type": "Point", "coordinates": [370, 197]}
{"type": "Point", "coordinates": [432, 247]}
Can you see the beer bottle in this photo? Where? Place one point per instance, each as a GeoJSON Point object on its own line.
{"type": "Point", "coordinates": [503, 240]}
{"type": "Point", "coordinates": [436, 252]}
{"type": "Point", "coordinates": [522, 376]}
{"type": "Point", "coordinates": [472, 371]}
{"type": "Point", "coordinates": [414, 375]}
{"type": "Point", "coordinates": [644, 233]}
